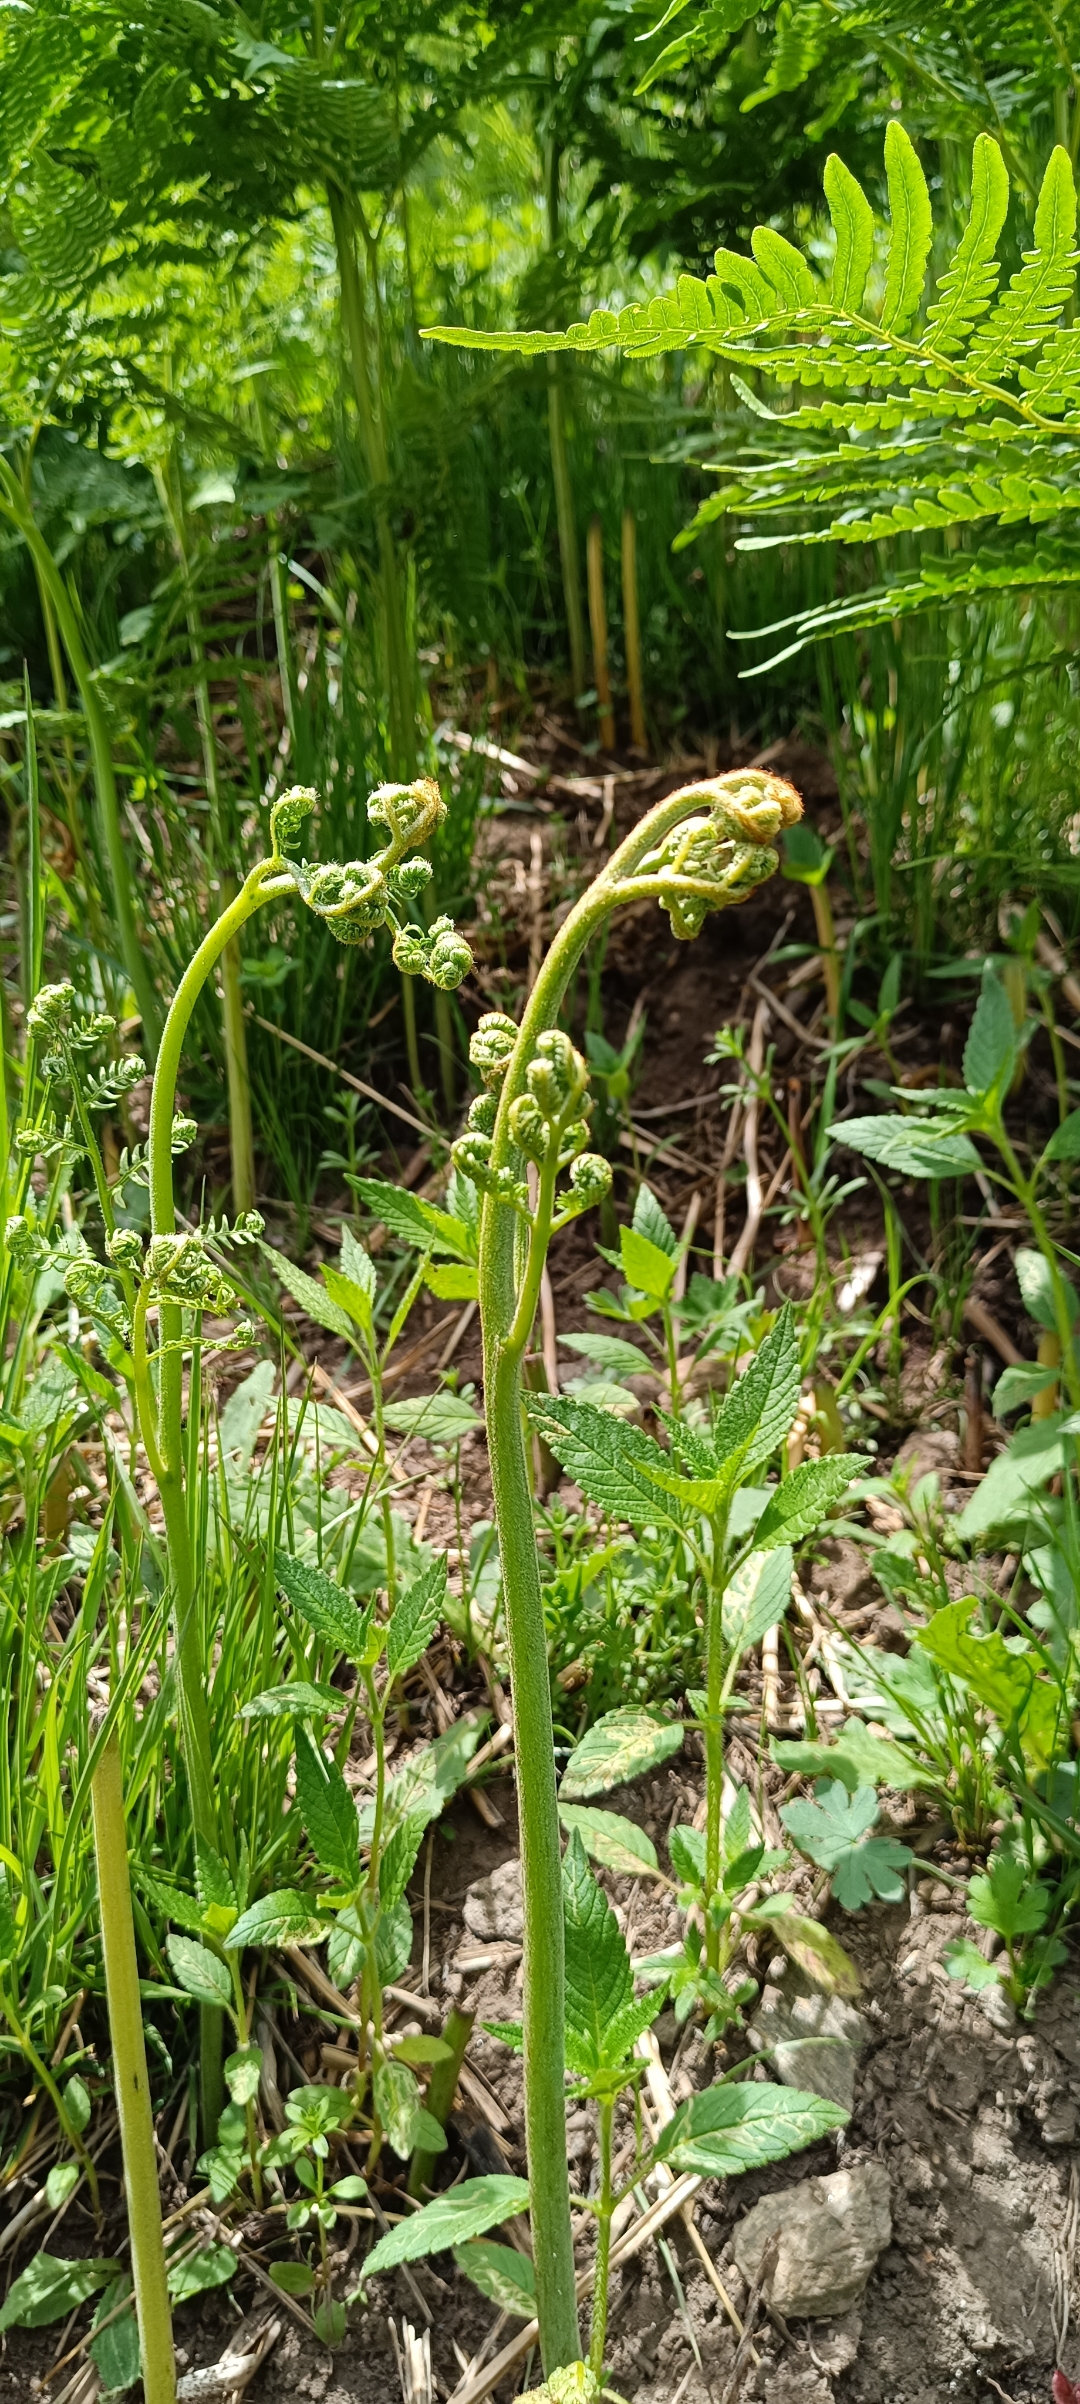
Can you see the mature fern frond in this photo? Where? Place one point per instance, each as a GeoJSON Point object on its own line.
{"type": "Point", "coordinates": [955, 420]}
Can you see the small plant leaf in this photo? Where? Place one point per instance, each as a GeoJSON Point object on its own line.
{"type": "Point", "coordinates": [293, 2278]}
{"type": "Point", "coordinates": [624, 1744]}
{"type": "Point", "coordinates": [324, 1606]}
{"type": "Point", "coordinates": [857, 1757]}
{"type": "Point", "coordinates": [77, 2104]}
{"type": "Point", "coordinates": [62, 2181]}
{"type": "Point", "coordinates": [414, 1620]}
{"type": "Point", "coordinates": [1064, 1143]}
{"type": "Point", "coordinates": [1019, 1384]}
{"type": "Point", "coordinates": [834, 1832]}
{"type": "Point", "coordinates": [1008, 1899]}
{"type": "Point", "coordinates": [506, 2277]}
{"type": "Point", "coordinates": [617, 1466]}
{"type": "Point", "coordinates": [283, 1918]}
{"type": "Point", "coordinates": [50, 2287]}
{"type": "Point", "coordinates": [759, 1410]}
{"type": "Point", "coordinates": [468, 2210]}
{"type": "Point", "coordinates": [687, 1849]}
{"type": "Point", "coordinates": [1037, 1290]}
{"type": "Point", "coordinates": [599, 1981]}
{"type": "Point", "coordinates": [1009, 1683]}
{"type": "Point", "coordinates": [646, 1268]}
{"type": "Point", "coordinates": [964, 1962]}
{"type": "Point", "coordinates": [198, 1971]}
{"type": "Point", "coordinates": [114, 2351]}
{"type": "Point", "coordinates": [328, 1811]}
{"type": "Point", "coordinates": [298, 1698]}
{"type": "Point", "coordinates": [728, 2129]}
{"type": "Point", "coordinates": [990, 1050]}
{"type": "Point", "coordinates": [214, 2267]}
{"type": "Point", "coordinates": [439, 1418]}
{"type": "Point", "coordinates": [452, 1280]}
{"type": "Point", "coordinates": [616, 1843]}
{"type": "Point", "coordinates": [800, 1503]}
{"type": "Point", "coordinates": [399, 1859]}
{"type": "Point", "coordinates": [242, 2073]}
{"type": "Point", "coordinates": [353, 1299]}
{"type": "Point", "coordinates": [915, 1147]}
{"type": "Point", "coordinates": [757, 1597]}
{"type": "Point", "coordinates": [313, 1298]}
{"type": "Point", "coordinates": [397, 2102]}
{"type": "Point", "coordinates": [815, 1951]}
{"type": "Point", "coordinates": [612, 1353]}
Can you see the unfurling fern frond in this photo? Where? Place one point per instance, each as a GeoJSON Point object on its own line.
{"type": "Point", "coordinates": [956, 419]}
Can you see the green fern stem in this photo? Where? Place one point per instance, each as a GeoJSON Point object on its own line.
{"type": "Point", "coordinates": [131, 2081]}
{"type": "Point", "coordinates": [13, 505]}
{"type": "Point", "coordinates": [507, 1307]}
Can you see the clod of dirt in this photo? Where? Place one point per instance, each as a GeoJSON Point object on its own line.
{"type": "Point", "coordinates": [817, 2040]}
{"type": "Point", "coordinates": [931, 1450]}
{"type": "Point", "coordinates": [492, 1907]}
{"type": "Point", "coordinates": [831, 2232]}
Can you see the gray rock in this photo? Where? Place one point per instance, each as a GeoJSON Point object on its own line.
{"type": "Point", "coordinates": [814, 2042]}
{"type": "Point", "coordinates": [834, 2350]}
{"type": "Point", "coordinates": [997, 2007]}
{"type": "Point", "coordinates": [831, 2232]}
{"type": "Point", "coordinates": [493, 1905]}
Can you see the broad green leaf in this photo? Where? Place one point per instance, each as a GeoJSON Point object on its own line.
{"type": "Point", "coordinates": [599, 1981]}
{"type": "Point", "coordinates": [242, 2073]}
{"type": "Point", "coordinates": [1064, 1143]}
{"type": "Point", "coordinates": [1006, 1898]}
{"type": "Point", "coordinates": [428, 1782]}
{"type": "Point", "coordinates": [293, 2278]}
{"type": "Point", "coordinates": [835, 1833]}
{"type": "Point", "coordinates": [298, 1698]}
{"type": "Point", "coordinates": [420, 2050]}
{"type": "Point", "coordinates": [1037, 1290]}
{"type": "Point", "coordinates": [652, 1222]}
{"type": "Point", "coordinates": [912, 231]}
{"type": "Point", "coordinates": [198, 1971]}
{"type": "Point", "coordinates": [452, 1280]}
{"type": "Point", "coordinates": [758, 1412]}
{"type": "Point", "coordinates": [357, 1264]}
{"type": "Point", "coordinates": [964, 1962]}
{"type": "Point", "coordinates": [990, 1050]}
{"type": "Point", "coordinates": [1008, 1496]}
{"type": "Point", "coordinates": [624, 1744]}
{"type": "Point", "coordinates": [214, 2267]}
{"type": "Point", "coordinates": [51, 2287]}
{"type": "Point", "coordinates": [853, 222]}
{"type": "Point", "coordinates": [399, 1859]}
{"type": "Point", "coordinates": [1019, 1384]}
{"type": "Point", "coordinates": [414, 1221]}
{"type": "Point", "coordinates": [915, 1147]}
{"type": "Point", "coordinates": [327, 1810]}
{"type": "Point", "coordinates": [214, 1889]}
{"type": "Point", "coordinates": [506, 2277]}
{"type": "Point", "coordinates": [629, 2023]}
{"type": "Point", "coordinates": [857, 1758]}
{"type": "Point", "coordinates": [62, 2181]}
{"type": "Point", "coordinates": [799, 1505]}
{"type": "Point", "coordinates": [283, 1918]}
{"type": "Point", "coordinates": [725, 2130]}
{"type": "Point", "coordinates": [468, 2210]}
{"type": "Point", "coordinates": [613, 1353]}
{"type": "Point", "coordinates": [414, 1620]}
{"type": "Point", "coordinates": [814, 1949]}
{"type": "Point", "coordinates": [687, 1849]}
{"type": "Point", "coordinates": [646, 1268]}
{"type": "Point", "coordinates": [439, 1418]}
{"type": "Point", "coordinates": [397, 2102]}
{"type": "Point", "coordinates": [617, 1844]}
{"type": "Point", "coordinates": [77, 2104]}
{"type": "Point", "coordinates": [324, 1606]}
{"type": "Point", "coordinates": [313, 1299]}
{"type": "Point", "coordinates": [353, 1299]}
{"type": "Point", "coordinates": [616, 1466]}
{"type": "Point", "coordinates": [756, 1597]}
{"type": "Point", "coordinates": [114, 2351]}
{"type": "Point", "coordinates": [1009, 1683]}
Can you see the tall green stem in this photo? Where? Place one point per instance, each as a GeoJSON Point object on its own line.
{"type": "Point", "coordinates": [13, 505]}
{"type": "Point", "coordinates": [132, 2082]}
{"type": "Point", "coordinates": [604, 2206]}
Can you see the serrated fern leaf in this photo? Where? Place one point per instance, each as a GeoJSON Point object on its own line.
{"type": "Point", "coordinates": [853, 224]}
{"type": "Point", "coordinates": [1037, 294]}
{"type": "Point", "coordinates": [800, 44]}
{"type": "Point", "coordinates": [968, 286]}
{"type": "Point", "coordinates": [912, 231]}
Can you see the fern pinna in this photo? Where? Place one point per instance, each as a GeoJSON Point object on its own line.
{"type": "Point", "coordinates": [929, 420]}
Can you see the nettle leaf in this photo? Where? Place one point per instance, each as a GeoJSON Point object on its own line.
{"type": "Point", "coordinates": [465, 2211]}
{"type": "Point", "coordinates": [453, 1280]}
{"type": "Point", "coordinates": [397, 2102]}
{"type": "Point", "coordinates": [729, 2129]}
{"type": "Point", "coordinates": [324, 1606]}
{"type": "Point", "coordinates": [617, 1844]}
{"type": "Point", "coordinates": [651, 1221]}
{"type": "Point", "coordinates": [687, 1849]}
{"type": "Point", "coordinates": [757, 1597]}
{"type": "Point", "coordinates": [283, 1918]}
{"type": "Point", "coordinates": [416, 1222]}
{"type": "Point", "coordinates": [199, 1971]}
{"type": "Point", "coordinates": [504, 2276]}
{"type": "Point", "coordinates": [242, 2073]}
{"type": "Point", "coordinates": [599, 1980]}
{"type": "Point", "coordinates": [622, 1745]}
{"type": "Point", "coordinates": [646, 1267]}
{"type": "Point", "coordinates": [1009, 1683]}
{"type": "Point", "coordinates": [990, 1050]}
{"type": "Point", "coordinates": [313, 1299]}
{"type": "Point", "coordinates": [399, 1859]}
{"type": "Point", "coordinates": [328, 1811]}
{"type": "Point", "coordinates": [357, 1265]}
{"type": "Point", "coordinates": [1019, 1384]}
{"type": "Point", "coordinates": [1037, 1290]}
{"type": "Point", "coordinates": [616, 1466]}
{"type": "Point", "coordinates": [298, 1698]}
{"type": "Point", "coordinates": [432, 1778]}
{"type": "Point", "coordinates": [414, 1620]}
{"type": "Point", "coordinates": [443, 1418]}
{"type": "Point", "coordinates": [759, 1410]}
{"type": "Point", "coordinates": [834, 1832]}
{"type": "Point", "coordinates": [916, 1147]}
{"type": "Point", "coordinates": [353, 1299]}
{"type": "Point", "coordinates": [51, 2287]}
{"type": "Point", "coordinates": [213, 1885]}
{"type": "Point", "coordinates": [800, 1503]}
{"type": "Point", "coordinates": [613, 1353]}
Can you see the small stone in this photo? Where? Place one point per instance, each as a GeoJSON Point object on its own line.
{"type": "Point", "coordinates": [831, 2233]}
{"type": "Point", "coordinates": [835, 2348]}
{"type": "Point", "coordinates": [493, 1906]}
{"type": "Point", "coordinates": [1057, 2121]}
{"type": "Point", "coordinates": [997, 2007]}
{"type": "Point", "coordinates": [815, 2042]}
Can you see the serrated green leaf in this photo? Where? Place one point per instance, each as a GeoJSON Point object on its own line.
{"type": "Point", "coordinates": [198, 2273]}
{"type": "Point", "coordinates": [467, 2210]}
{"type": "Point", "coordinates": [327, 1810]}
{"type": "Point", "coordinates": [399, 1859]}
{"type": "Point", "coordinates": [599, 1982]}
{"type": "Point", "coordinates": [616, 1466]}
{"type": "Point", "coordinates": [324, 1606]}
{"type": "Point", "coordinates": [504, 2276]}
{"type": "Point", "coordinates": [990, 1050]}
{"type": "Point", "coordinates": [452, 1281]}
{"type": "Point", "coordinates": [313, 1299]}
{"type": "Point", "coordinates": [798, 1506]}
{"type": "Point", "coordinates": [834, 1832]}
{"type": "Point", "coordinates": [1010, 1684]}
{"type": "Point", "coordinates": [198, 1971]}
{"type": "Point", "coordinates": [439, 1418]}
{"type": "Point", "coordinates": [687, 1849]}
{"type": "Point", "coordinates": [214, 1888]}
{"type": "Point", "coordinates": [758, 1412]}
{"type": "Point", "coordinates": [242, 2072]}
{"type": "Point", "coordinates": [613, 1353]}
{"type": "Point", "coordinates": [616, 1843]}
{"type": "Point", "coordinates": [623, 1744]}
{"type": "Point", "coordinates": [729, 2129]}
{"type": "Point", "coordinates": [413, 1621]}
{"type": "Point", "coordinates": [349, 1297]}
{"type": "Point", "coordinates": [397, 2102]}
{"type": "Point", "coordinates": [912, 231]}
{"type": "Point", "coordinates": [646, 1268]}
{"type": "Point", "coordinates": [283, 1918]}
{"type": "Point", "coordinates": [298, 1698]}
{"type": "Point", "coordinates": [915, 1147]}
{"type": "Point", "coordinates": [757, 1597]}
{"type": "Point", "coordinates": [50, 2287]}
{"type": "Point", "coordinates": [651, 1221]}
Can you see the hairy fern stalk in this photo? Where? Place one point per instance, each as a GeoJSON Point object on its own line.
{"type": "Point", "coordinates": [956, 418]}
